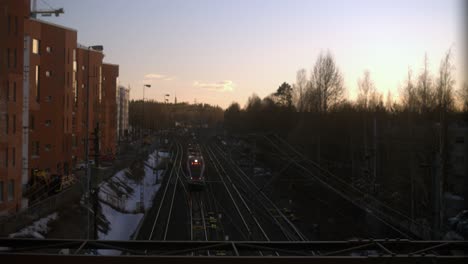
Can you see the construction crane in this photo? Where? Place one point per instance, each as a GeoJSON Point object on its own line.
{"type": "Point", "coordinates": [35, 11]}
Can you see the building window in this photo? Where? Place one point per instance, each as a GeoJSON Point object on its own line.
{"type": "Point", "coordinates": [1, 192]}
{"type": "Point", "coordinates": [9, 24]}
{"type": "Point", "coordinates": [35, 46]}
{"type": "Point", "coordinates": [8, 58]}
{"type": "Point", "coordinates": [38, 89]}
{"type": "Point", "coordinates": [74, 141]}
{"type": "Point", "coordinates": [13, 157]}
{"type": "Point", "coordinates": [14, 91]}
{"type": "Point", "coordinates": [82, 67]}
{"type": "Point", "coordinates": [7, 91]}
{"type": "Point", "coordinates": [7, 121]}
{"type": "Point", "coordinates": [14, 58]}
{"type": "Point", "coordinates": [11, 190]}
{"type": "Point", "coordinates": [47, 147]}
{"type": "Point", "coordinates": [460, 140]}
{"type": "Point", "coordinates": [14, 124]}
{"type": "Point", "coordinates": [35, 151]}
{"type": "Point", "coordinates": [6, 157]}
{"type": "Point", "coordinates": [31, 126]}
{"type": "Point", "coordinates": [48, 123]}
{"type": "Point", "coordinates": [48, 99]}
{"type": "Point", "coordinates": [75, 89]}
{"type": "Point", "coordinates": [48, 73]}
{"type": "Point", "coordinates": [48, 49]}
{"type": "Point", "coordinates": [74, 60]}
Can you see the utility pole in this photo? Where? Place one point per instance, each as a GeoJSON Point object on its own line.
{"type": "Point", "coordinates": [97, 149]}
{"type": "Point", "coordinates": [374, 180]}
{"type": "Point", "coordinates": [95, 194]}
{"type": "Point", "coordinates": [143, 108]}
{"type": "Point", "coordinates": [437, 175]}
{"type": "Point", "coordinates": [88, 168]}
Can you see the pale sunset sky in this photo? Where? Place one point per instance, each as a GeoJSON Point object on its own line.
{"type": "Point", "coordinates": [220, 51]}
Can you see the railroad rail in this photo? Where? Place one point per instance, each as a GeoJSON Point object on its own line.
{"type": "Point", "coordinates": [160, 224]}
{"type": "Point", "coordinates": [353, 251]}
{"type": "Point", "coordinates": [388, 216]}
{"type": "Point", "coordinates": [287, 228]}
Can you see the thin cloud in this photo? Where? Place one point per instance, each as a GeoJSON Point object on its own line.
{"type": "Point", "coordinates": [221, 86]}
{"type": "Point", "coordinates": [154, 76]}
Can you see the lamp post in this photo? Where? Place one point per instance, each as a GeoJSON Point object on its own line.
{"type": "Point", "coordinates": [143, 115]}
{"type": "Point", "coordinates": [88, 169]}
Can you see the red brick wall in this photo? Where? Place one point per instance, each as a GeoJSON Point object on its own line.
{"type": "Point", "coordinates": [12, 14]}
{"type": "Point", "coordinates": [91, 69]}
{"type": "Point", "coordinates": [53, 111]}
{"type": "Point", "coordinates": [109, 107]}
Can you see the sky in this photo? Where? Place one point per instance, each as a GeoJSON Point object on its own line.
{"type": "Point", "coordinates": [220, 51]}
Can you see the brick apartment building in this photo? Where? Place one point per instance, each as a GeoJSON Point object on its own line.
{"type": "Point", "coordinates": [123, 96]}
{"type": "Point", "coordinates": [110, 72]}
{"type": "Point", "coordinates": [12, 17]}
{"type": "Point", "coordinates": [89, 65]}
{"type": "Point", "coordinates": [51, 69]}
{"type": "Point", "coordinates": [44, 76]}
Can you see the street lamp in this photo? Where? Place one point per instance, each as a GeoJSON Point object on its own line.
{"type": "Point", "coordinates": [88, 169]}
{"type": "Point", "coordinates": [143, 115]}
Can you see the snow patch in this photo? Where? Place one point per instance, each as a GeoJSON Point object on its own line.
{"type": "Point", "coordinates": [38, 229]}
{"type": "Point", "coordinates": [120, 200]}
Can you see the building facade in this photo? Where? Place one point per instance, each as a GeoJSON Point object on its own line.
{"type": "Point", "coordinates": [89, 74]}
{"type": "Point", "coordinates": [49, 85]}
{"type": "Point", "coordinates": [12, 17]}
{"type": "Point", "coordinates": [123, 97]}
{"type": "Point", "coordinates": [108, 127]}
{"type": "Point", "coordinates": [52, 64]}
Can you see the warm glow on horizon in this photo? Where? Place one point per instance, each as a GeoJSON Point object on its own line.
{"type": "Point", "coordinates": [218, 52]}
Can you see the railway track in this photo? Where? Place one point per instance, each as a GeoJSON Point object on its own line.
{"type": "Point", "coordinates": [385, 214]}
{"type": "Point", "coordinates": [162, 220]}
{"type": "Point", "coordinates": [263, 204]}
{"type": "Point", "coordinates": [253, 228]}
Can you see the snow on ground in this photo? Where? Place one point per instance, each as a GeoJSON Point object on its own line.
{"type": "Point", "coordinates": [38, 229]}
{"type": "Point", "coordinates": [123, 194]}
{"type": "Point", "coordinates": [121, 225]}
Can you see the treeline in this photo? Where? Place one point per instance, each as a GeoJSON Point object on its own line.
{"type": "Point", "coordinates": [151, 115]}
{"type": "Point", "coordinates": [386, 147]}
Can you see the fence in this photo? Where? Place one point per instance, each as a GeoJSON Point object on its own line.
{"type": "Point", "coordinates": [49, 205]}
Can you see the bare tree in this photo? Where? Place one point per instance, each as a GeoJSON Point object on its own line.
{"type": "Point", "coordinates": [366, 89]}
{"type": "Point", "coordinates": [375, 100]}
{"type": "Point", "coordinates": [299, 89]}
{"type": "Point", "coordinates": [464, 97]}
{"type": "Point", "coordinates": [254, 103]}
{"type": "Point", "coordinates": [424, 92]}
{"type": "Point", "coordinates": [389, 101]}
{"type": "Point", "coordinates": [445, 84]}
{"type": "Point", "coordinates": [327, 80]}
{"type": "Point", "coordinates": [408, 94]}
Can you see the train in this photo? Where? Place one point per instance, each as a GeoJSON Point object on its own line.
{"type": "Point", "coordinates": [195, 169]}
